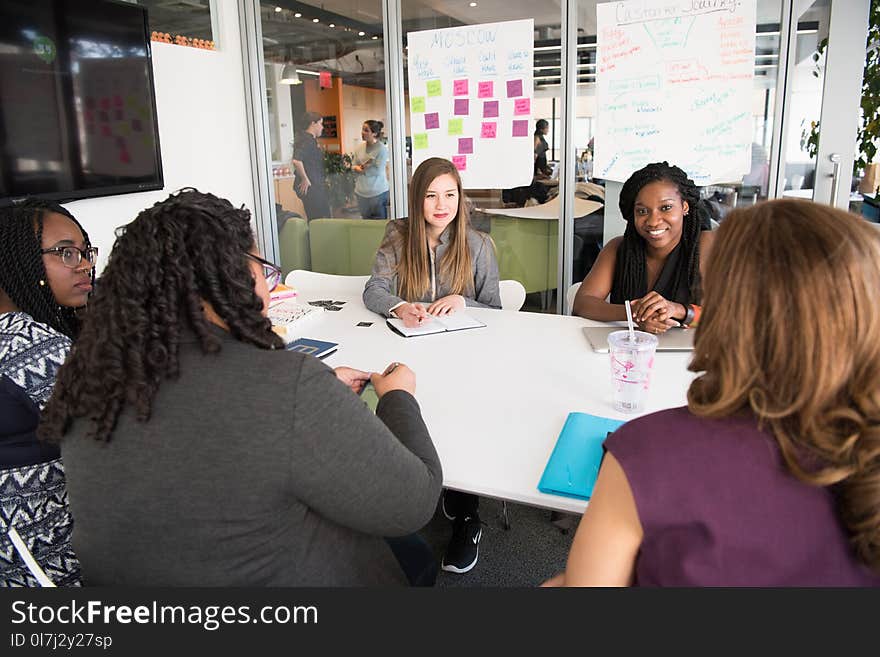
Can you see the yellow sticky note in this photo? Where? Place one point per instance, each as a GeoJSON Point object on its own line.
{"type": "Point", "coordinates": [420, 141]}
{"type": "Point", "coordinates": [456, 126]}
{"type": "Point", "coordinates": [417, 103]}
{"type": "Point", "coordinates": [435, 88]}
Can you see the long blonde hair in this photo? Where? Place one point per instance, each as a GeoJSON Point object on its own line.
{"type": "Point", "coordinates": [414, 268]}
{"type": "Point", "coordinates": [790, 331]}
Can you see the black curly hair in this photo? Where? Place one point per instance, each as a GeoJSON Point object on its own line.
{"type": "Point", "coordinates": [21, 264]}
{"type": "Point", "coordinates": [630, 270]}
{"type": "Point", "coordinates": [186, 250]}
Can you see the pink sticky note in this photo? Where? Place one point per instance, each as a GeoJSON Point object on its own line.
{"type": "Point", "coordinates": [105, 103]}
{"type": "Point", "coordinates": [124, 157]}
{"type": "Point", "coordinates": [462, 107]}
{"type": "Point", "coordinates": [460, 162]}
{"type": "Point", "coordinates": [514, 88]}
{"type": "Point", "coordinates": [105, 130]}
{"type": "Point", "coordinates": [485, 89]}
{"type": "Point", "coordinates": [136, 125]}
{"type": "Point", "coordinates": [490, 109]}
{"type": "Point", "coordinates": [432, 120]}
{"type": "Point", "coordinates": [460, 88]}
{"type": "Point", "coordinates": [465, 145]}
{"type": "Point", "coordinates": [520, 128]}
{"type": "Point", "coordinates": [489, 130]}
{"type": "Point", "coordinates": [522, 106]}
{"type": "Point", "coordinates": [117, 101]}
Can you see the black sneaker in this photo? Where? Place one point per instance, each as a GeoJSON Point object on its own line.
{"type": "Point", "coordinates": [464, 546]}
{"type": "Point", "coordinates": [444, 509]}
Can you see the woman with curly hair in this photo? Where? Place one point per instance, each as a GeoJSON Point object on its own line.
{"type": "Point", "coordinates": [770, 476]}
{"type": "Point", "coordinates": [200, 452]}
{"type": "Point", "coordinates": [46, 275]}
{"type": "Point", "coordinates": [657, 263]}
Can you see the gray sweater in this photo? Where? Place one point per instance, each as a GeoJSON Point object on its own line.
{"type": "Point", "coordinates": [257, 468]}
{"type": "Point", "coordinates": [380, 292]}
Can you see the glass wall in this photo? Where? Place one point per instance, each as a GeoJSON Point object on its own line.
{"type": "Point", "coordinates": [325, 79]}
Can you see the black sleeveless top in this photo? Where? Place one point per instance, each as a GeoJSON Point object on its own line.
{"type": "Point", "coordinates": [666, 286]}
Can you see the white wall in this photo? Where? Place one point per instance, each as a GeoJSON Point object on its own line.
{"type": "Point", "coordinates": [202, 131]}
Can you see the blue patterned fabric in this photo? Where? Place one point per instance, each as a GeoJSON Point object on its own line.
{"type": "Point", "coordinates": [33, 492]}
{"type": "Point", "coordinates": [31, 354]}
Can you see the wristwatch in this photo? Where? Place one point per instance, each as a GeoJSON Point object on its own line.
{"type": "Point", "coordinates": [688, 315]}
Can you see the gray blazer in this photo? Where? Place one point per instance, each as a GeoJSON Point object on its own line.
{"type": "Point", "coordinates": [380, 292]}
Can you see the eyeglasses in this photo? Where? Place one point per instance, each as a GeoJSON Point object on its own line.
{"type": "Point", "coordinates": [270, 271]}
{"type": "Point", "coordinates": [72, 256]}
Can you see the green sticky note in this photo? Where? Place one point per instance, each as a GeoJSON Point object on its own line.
{"type": "Point", "coordinates": [435, 88]}
{"type": "Point", "coordinates": [456, 126]}
{"type": "Point", "coordinates": [417, 103]}
{"type": "Point", "coordinates": [420, 141]}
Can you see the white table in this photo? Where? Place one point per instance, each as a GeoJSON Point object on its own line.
{"type": "Point", "coordinates": [495, 398]}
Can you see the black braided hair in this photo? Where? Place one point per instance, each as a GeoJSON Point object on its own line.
{"type": "Point", "coordinates": [630, 270]}
{"type": "Point", "coordinates": [188, 249]}
{"type": "Point", "coordinates": [21, 264]}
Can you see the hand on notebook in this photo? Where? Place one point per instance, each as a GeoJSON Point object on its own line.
{"type": "Point", "coordinates": [447, 305]}
{"type": "Point", "coordinates": [396, 376]}
{"type": "Point", "coordinates": [354, 379]}
{"type": "Point", "coordinates": [412, 314]}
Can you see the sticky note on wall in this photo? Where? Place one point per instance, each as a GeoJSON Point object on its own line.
{"type": "Point", "coordinates": [456, 126]}
{"type": "Point", "coordinates": [514, 88]}
{"type": "Point", "coordinates": [435, 88]}
{"type": "Point", "coordinates": [420, 141]}
{"type": "Point", "coordinates": [522, 106]}
{"type": "Point", "coordinates": [460, 88]}
{"type": "Point", "coordinates": [485, 89]}
{"type": "Point", "coordinates": [490, 109]}
{"type": "Point", "coordinates": [460, 162]}
{"type": "Point", "coordinates": [465, 145]}
{"type": "Point", "coordinates": [520, 128]}
{"type": "Point", "coordinates": [417, 103]}
{"type": "Point", "coordinates": [488, 130]}
{"type": "Point", "coordinates": [432, 120]}
{"type": "Point", "coordinates": [461, 107]}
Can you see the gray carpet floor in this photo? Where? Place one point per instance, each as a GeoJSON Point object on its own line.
{"type": "Point", "coordinates": [532, 550]}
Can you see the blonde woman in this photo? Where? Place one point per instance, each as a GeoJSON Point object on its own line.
{"type": "Point", "coordinates": [434, 264]}
{"type": "Point", "coordinates": [770, 476]}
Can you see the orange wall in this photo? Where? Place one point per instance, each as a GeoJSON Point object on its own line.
{"type": "Point", "coordinates": [327, 102]}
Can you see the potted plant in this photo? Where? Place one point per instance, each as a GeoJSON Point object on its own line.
{"type": "Point", "coordinates": [868, 135]}
{"type": "Point", "coordinates": [340, 181]}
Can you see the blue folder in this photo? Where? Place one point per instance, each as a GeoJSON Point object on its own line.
{"type": "Point", "coordinates": [574, 464]}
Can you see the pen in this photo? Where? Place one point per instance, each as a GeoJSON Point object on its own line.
{"type": "Point", "coordinates": [391, 368]}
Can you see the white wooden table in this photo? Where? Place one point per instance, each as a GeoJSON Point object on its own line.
{"type": "Point", "coordinates": [495, 398]}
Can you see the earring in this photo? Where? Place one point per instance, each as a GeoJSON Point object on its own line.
{"type": "Point", "coordinates": [42, 283]}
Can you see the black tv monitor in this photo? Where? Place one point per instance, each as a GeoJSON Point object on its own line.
{"type": "Point", "coordinates": [77, 103]}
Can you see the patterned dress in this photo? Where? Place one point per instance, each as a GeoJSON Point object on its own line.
{"type": "Point", "coordinates": [33, 494]}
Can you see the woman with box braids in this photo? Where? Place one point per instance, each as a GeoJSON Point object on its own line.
{"type": "Point", "coordinates": [657, 263]}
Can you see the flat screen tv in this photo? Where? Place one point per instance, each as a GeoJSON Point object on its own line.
{"type": "Point", "coordinates": [77, 104]}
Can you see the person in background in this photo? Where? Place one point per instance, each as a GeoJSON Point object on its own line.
{"type": "Point", "coordinates": [657, 263]}
{"type": "Point", "coordinates": [308, 167]}
{"type": "Point", "coordinates": [200, 452]}
{"type": "Point", "coordinates": [434, 263]}
{"type": "Point", "coordinates": [46, 275]}
{"type": "Point", "coordinates": [770, 476]}
{"type": "Point", "coordinates": [542, 169]}
{"type": "Point", "coordinates": [369, 161]}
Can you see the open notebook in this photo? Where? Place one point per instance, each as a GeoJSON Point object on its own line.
{"type": "Point", "coordinates": [455, 322]}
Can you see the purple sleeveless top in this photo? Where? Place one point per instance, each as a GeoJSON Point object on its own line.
{"type": "Point", "coordinates": [719, 508]}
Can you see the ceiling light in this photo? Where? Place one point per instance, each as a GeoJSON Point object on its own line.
{"type": "Point", "coordinates": [473, 4]}
{"type": "Point", "coordinates": [332, 24]}
{"type": "Point", "coordinates": [361, 33]}
{"type": "Point", "coordinates": [277, 9]}
{"type": "Point", "coordinates": [375, 37]}
{"type": "Point", "coordinates": [297, 15]}
{"type": "Point", "coordinates": [289, 75]}
{"type": "Point", "coordinates": [316, 20]}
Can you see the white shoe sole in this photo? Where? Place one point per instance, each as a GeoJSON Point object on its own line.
{"type": "Point", "coordinates": [449, 568]}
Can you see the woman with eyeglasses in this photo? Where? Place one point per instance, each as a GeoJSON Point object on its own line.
{"type": "Point", "coordinates": [200, 452]}
{"type": "Point", "coordinates": [46, 275]}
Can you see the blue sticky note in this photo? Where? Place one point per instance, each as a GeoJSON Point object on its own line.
{"type": "Point", "coordinates": [574, 464]}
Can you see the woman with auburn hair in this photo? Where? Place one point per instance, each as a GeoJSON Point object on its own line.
{"type": "Point", "coordinates": [434, 257]}
{"type": "Point", "coordinates": [771, 474]}
{"type": "Point", "coordinates": [200, 452]}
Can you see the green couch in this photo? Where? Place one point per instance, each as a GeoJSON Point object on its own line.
{"type": "Point", "coordinates": [345, 246]}
{"type": "Point", "coordinates": [526, 250]}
